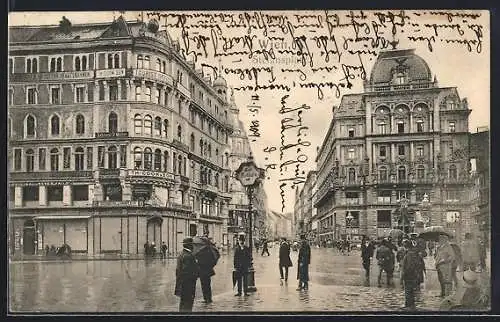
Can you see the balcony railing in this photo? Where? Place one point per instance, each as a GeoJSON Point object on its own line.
{"type": "Point", "coordinates": [105, 135]}
{"type": "Point", "coordinates": [180, 145]}
{"type": "Point", "coordinates": [175, 205]}
{"type": "Point", "coordinates": [153, 75]}
{"type": "Point", "coordinates": [209, 188]}
{"type": "Point", "coordinates": [184, 91]}
{"type": "Point", "coordinates": [18, 176]}
{"type": "Point", "coordinates": [109, 172]}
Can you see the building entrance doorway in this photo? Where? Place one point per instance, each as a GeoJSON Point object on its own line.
{"type": "Point", "coordinates": [29, 237]}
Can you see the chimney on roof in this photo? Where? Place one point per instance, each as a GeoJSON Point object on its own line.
{"type": "Point", "coordinates": [65, 25]}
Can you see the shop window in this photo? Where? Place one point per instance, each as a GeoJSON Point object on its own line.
{"type": "Point", "coordinates": [112, 192]}
{"type": "Point", "coordinates": [80, 193]}
{"type": "Point", "coordinates": [384, 219]}
{"type": "Point", "coordinates": [384, 196]}
{"type": "Point", "coordinates": [30, 193]}
{"type": "Point", "coordinates": [54, 193]}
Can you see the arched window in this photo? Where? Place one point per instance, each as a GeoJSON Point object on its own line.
{"type": "Point", "coordinates": [157, 161]}
{"type": "Point", "coordinates": [166, 160]}
{"type": "Point", "coordinates": [179, 132]}
{"type": "Point", "coordinates": [53, 65]}
{"type": "Point", "coordinates": [158, 64]}
{"type": "Point", "coordinates": [382, 174]}
{"type": "Point", "coordinates": [54, 125]}
{"type": "Point", "coordinates": [148, 94]}
{"type": "Point", "coordinates": [35, 65]}
{"type": "Point", "coordinates": [191, 146]}
{"type": "Point", "coordinates": [401, 173]}
{"type": "Point", "coordinates": [217, 156]}
{"type": "Point", "coordinates": [30, 160]}
{"type": "Point", "coordinates": [77, 64]}
{"type": "Point", "coordinates": [226, 157]}
{"type": "Point", "coordinates": [164, 67]}
{"type": "Point", "coordinates": [54, 159]}
{"type": "Point", "coordinates": [137, 124]}
{"type": "Point", "coordinates": [140, 61]}
{"type": "Point", "coordinates": [157, 126]}
{"type": "Point", "coordinates": [117, 61]}
{"type": "Point", "coordinates": [201, 147]}
{"type": "Point", "coordinates": [420, 172]}
{"type": "Point", "coordinates": [352, 175]}
{"type": "Point", "coordinates": [184, 166]}
{"type": "Point", "coordinates": [113, 122]}
{"type": "Point", "coordinates": [137, 158]}
{"type": "Point", "coordinates": [30, 126]}
{"type": "Point", "coordinates": [216, 179]}
{"type": "Point", "coordinates": [146, 62]}
{"type": "Point", "coordinates": [138, 92]}
{"type": "Point", "coordinates": [205, 148]}
{"type": "Point", "coordinates": [420, 126]}
{"type": "Point", "coordinates": [179, 165]}
{"type": "Point", "coordinates": [148, 124]}
{"type": "Point", "coordinates": [110, 61]}
{"type": "Point", "coordinates": [209, 179]}
{"type": "Point", "coordinates": [165, 128]}
{"type": "Point", "coordinates": [80, 124]}
{"type": "Point", "coordinates": [209, 150]}
{"type": "Point", "coordinates": [112, 159]}
{"type": "Point", "coordinates": [148, 159]}
{"type": "Point", "coordinates": [453, 171]}
{"type": "Point", "coordinates": [79, 158]}
{"type": "Point", "coordinates": [202, 175]}
{"type": "Point", "coordinates": [84, 63]}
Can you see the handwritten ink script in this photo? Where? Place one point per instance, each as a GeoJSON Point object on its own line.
{"type": "Point", "coordinates": [301, 63]}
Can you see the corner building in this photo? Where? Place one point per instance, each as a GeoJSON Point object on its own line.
{"type": "Point", "coordinates": [114, 140]}
{"type": "Point", "coordinates": [403, 137]}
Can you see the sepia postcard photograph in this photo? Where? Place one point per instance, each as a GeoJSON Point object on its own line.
{"type": "Point", "coordinates": [301, 161]}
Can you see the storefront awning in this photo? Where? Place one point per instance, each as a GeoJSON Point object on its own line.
{"type": "Point", "coordinates": [60, 217]}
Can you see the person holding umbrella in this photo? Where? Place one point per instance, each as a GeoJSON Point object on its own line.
{"type": "Point", "coordinates": [207, 255]}
{"type": "Point", "coordinates": [242, 263]}
{"type": "Point", "coordinates": [444, 259]}
{"type": "Point", "coordinates": [285, 261]}
{"type": "Point", "coordinates": [186, 274]}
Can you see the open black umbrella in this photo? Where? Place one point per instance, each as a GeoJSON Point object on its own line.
{"type": "Point", "coordinates": [205, 250]}
{"type": "Point", "coordinates": [433, 232]}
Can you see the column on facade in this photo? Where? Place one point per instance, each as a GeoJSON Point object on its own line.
{"type": "Point", "coordinates": [368, 118]}
{"type": "Point", "coordinates": [143, 90]}
{"type": "Point", "coordinates": [130, 89]}
{"type": "Point", "coordinates": [119, 86]}
{"type": "Point", "coordinates": [96, 91]}
{"type": "Point", "coordinates": [431, 152]}
{"type": "Point", "coordinates": [435, 115]}
{"type": "Point", "coordinates": [91, 192]}
{"type": "Point", "coordinates": [393, 153]}
{"type": "Point", "coordinates": [106, 91]}
{"type": "Point", "coordinates": [67, 195]}
{"type": "Point", "coordinates": [410, 126]}
{"type": "Point", "coordinates": [42, 195]}
{"type": "Point", "coordinates": [126, 191]}
{"type": "Point", "coordinates": [18, 196]}
{"type": "Point", "coordinates": [412, 155]}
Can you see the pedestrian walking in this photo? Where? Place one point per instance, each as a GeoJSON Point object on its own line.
{"type": "Point", "coordinates": [146, 249]}
{"type": "Point", "coordinates": [367, 250]}
{"type": "Point", "coordinates": [470, 253]}
{"type": "Point", "coordinates": [207, 259]}
{"type": "Point", "coordinates": [385, 258]}
{"type": "Point", "coordinates": [164, 249]}
{"type": "Point", "coordinates": [400, 254]}
{"type": "Point", "coordinates": [186, 274]}
{"type": "Point", "coordinates": [242, 263]}
{"type": "Point", "coordinates": [303, 264]}
{"type": "Point", "coordinates": [444, 257]}
{"type": "Point", "coordinates": [265, 248]}
{"type": "Point", "coordinates": [412, 266]}
{"type": "Point", "coordinates": [285, 262]}
{"type": "Point", "coordinates": [153, 250]}
{"type": "Point", "coordinates": [456, 263]}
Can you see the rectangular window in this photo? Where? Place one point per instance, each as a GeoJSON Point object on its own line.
{"type": "Point", "coordinates": [113, 92]}
{"type": "Point", "coordinates": [100, 156]}
{"type": "Point", "coordinates": [384, 196]}
{"type": "Point", "coordinates": [31, 95]}
{"type": "Point", "coordinates": [401, 150]}
{"type": "Point", "coordinates": [30, 193]}
{"type": "Point", "coordinates": [55, 95]}
{"type": "Point", "coordinates": [420, 151]}
{"type": "Point", "coordinates": [54, 193]}
{"type": "Point", "coordinates": [401, 127]}
{"type": "Point", "coordinates": [66, 158]}
{"type": "Point", "coordinates": [79, 94]}
{"type": "Point", "coordinates": [420, 126]}
{"type": "Point", "coordinates": [41, 158]}
{"type": "Point", "coordinates": [383, 151]}
{"type": "Point", "coordinates": [80, 193]}
{"type": "Point", "coordinates": [101, 91]}
{"type": "Point", "coordinates": [350, 154]}
{"type": "Point", "coordinates": [382, 128]}
{"type": "Point", "coordinates": [383, 219]}
{"type": "Point", "coordinates": [123, 156]}
{"type": "Point", "coordinates": [452, 127]}
{"type": "Point", "coordinates": [452, 195]}
{"type": "Point", "coordinates": [90, 157]}
{"type": "Point", "coordinates": [351, 132]}
{"type": "Point", "coordinates": [403, 194]}
{"type": "Point", "coordinates": [17, 159]}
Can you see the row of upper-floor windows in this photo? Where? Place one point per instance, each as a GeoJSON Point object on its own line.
{"type": "Point", "coordinates": [401, 127]}
{"type": "Point", "coordinates": [401, 173]}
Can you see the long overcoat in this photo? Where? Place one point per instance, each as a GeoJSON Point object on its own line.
{"type": "Point", "coordinates": [285, 260]}
{"type": "Point", "coordinates": [303, 262]}
{"type": "Point", "coordinates": [186, 274]}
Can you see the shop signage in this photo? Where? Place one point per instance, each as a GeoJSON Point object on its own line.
{"type": "Point", "coordinates": [118, 72]}
{"type": "Point", "coordinates": [148, 173]}
{"type": "Point", "coordinates": [68, 75]}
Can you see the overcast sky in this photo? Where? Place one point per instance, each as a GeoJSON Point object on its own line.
{"type": "Point", "coordinates": [453, 66]}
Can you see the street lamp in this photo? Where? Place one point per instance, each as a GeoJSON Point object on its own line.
{"type": "Point", "coordinates": [349, 219]}
{"type": "Point", "coordinates": [249, 175]}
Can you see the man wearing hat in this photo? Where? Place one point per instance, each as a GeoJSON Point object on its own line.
{"type": "Point", "coordinates": [242, 263]}
{"type": "Point", "coordinates": [303, 263]}
{"type": "Point", "coordinates": [186, 274]}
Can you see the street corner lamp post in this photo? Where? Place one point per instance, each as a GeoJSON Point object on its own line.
{"type": "Point", "coordinates": [349, 219]}
{"type": "Point", "coordinates": [403, 212]}
{"type": "Point", "coordinates": [249, 175]}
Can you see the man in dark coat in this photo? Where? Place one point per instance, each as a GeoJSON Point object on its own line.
{"type": "Point", "coordinates": [186, 274]}
{"type": "Point", "coordinates": [207, 262]}
{"type": "Point", "coordinates": [242, 263]}
{"type": "Point", "coordinates": [265, 249]}
{"type": "Point", "coordinates": [386, 259]}
{"type": "Point", "coordinates": [303, 264]}
{"type": "Point", "coordinates": [164, 250]}
{"type": "Point", "coordinates": [367, 250]}
{"type": "Point", "coordinates": [285, 261]}
{"type": "Point", "coordinates": [412, 267]}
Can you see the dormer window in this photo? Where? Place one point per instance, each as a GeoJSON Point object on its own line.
{"type": "Point", "coordinates": [399, 79]}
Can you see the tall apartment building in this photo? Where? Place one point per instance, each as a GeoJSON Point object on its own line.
{"type": "Point", "coordinates": [114, 140]}
{"type": "Point", "coordinates": [304, 207]}
{"type": "Point", "coordinates": [404, 137]}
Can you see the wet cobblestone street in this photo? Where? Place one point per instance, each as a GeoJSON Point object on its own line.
{"type": "Point", "coordinates": [137, 285]}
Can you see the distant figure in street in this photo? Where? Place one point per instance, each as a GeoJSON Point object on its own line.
{"type": "Point", "coordinates": [303, 263]}
{"type": "Point", "coordinates": [367, 250]}
{"type": "Point", "coordinates": [412, 267]}
{"type": "Point", "coordinates": [385, 258]}
{"type": "Point", "coordinates": [444, 258]}
{"type": "Point", "coordinates": [265, 249]}
{"type": "Point", "coordinates": [186, 274]}
{"type": "Point", "coordinates": [164, 250]}
{"type": "Point", "coordinates": [153, 250]}
{"type": "Point", "coordinates": [285, 261]}
{"type": "Point", "coordinates": [146, 249]}
{"type": "Point", "coordinates": [47, 250]}
{"type": "Point", "coordinates": [400, 254]}
{"type": "Point", "coordinates": [242, 263]}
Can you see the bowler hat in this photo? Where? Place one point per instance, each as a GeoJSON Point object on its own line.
{"type": "Point", "coordinates": [188, 240]}
{"type": "Point", "coordinates": [241, 237]}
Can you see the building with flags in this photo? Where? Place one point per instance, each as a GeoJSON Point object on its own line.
{"type": "Point", "coordinates": [114, 140]}
{"type": "Point", "coordinates": [395, 155]}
